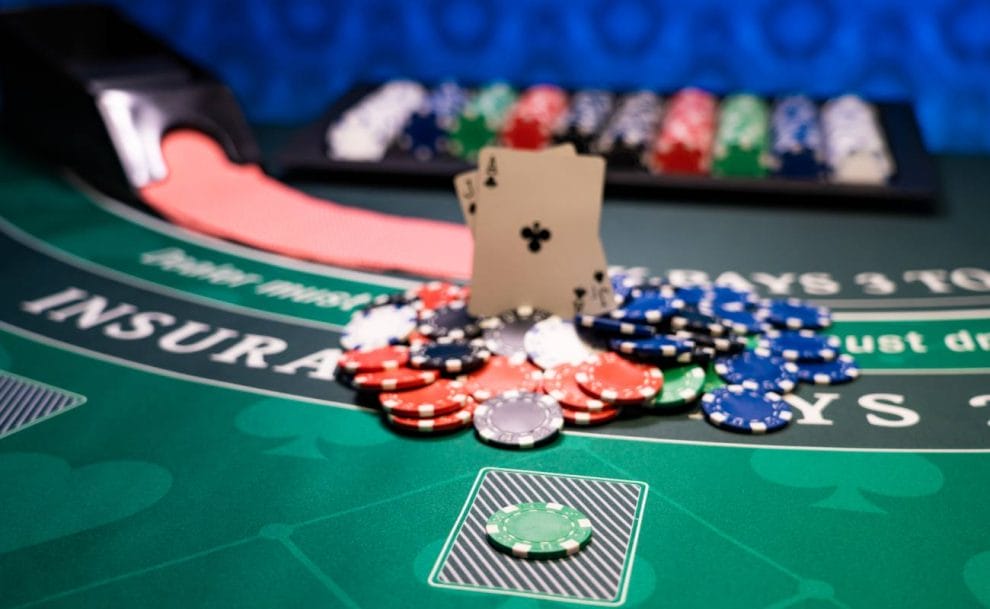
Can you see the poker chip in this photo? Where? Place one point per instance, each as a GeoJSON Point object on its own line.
{"type": "Point", "coordinates": [391, 380]}
{"type": "Point", "coordinates": [681, 386]}
{"type": "Point", "coordinates": [842, 369]}
{"type": "Point", "coordinates": [712, 380]}
{"type": "Point", "coordinates": [796, 314]}
{"type": "Point", "coordinates": [503, 374]}
{"type": "Point", "coordinates": [661, 346]}
{"type": "Point", "coordinates": [518, 419]}
{"type": "Point", "coordinates": [802, 346]}
{"type": "Point", "coordinates": [758, 370]}
{"type": "Point", "coordinates": [560, 384]}
{"type": "Point", "coordinates": [451, 356]}
{"type": "Point", "coordinates": [436, 399]}
{"type": "Point", "coordinates": [796, 138]}
{"type": "Point", "coordinates": [616, 380]}
{"type": "Point", "coordinates": [506, 333]}
{"type": "Point", "coordinates": [373, 360]}
{"type": "Point", "coordinates": [585, 418]}
{"type": "Point", "coordinates": [722, 344]}
{"type": "Point", "coordinates": [607, 325]}
{"type": "Point", "coordinates": [742, 139]}
{"type": "Point", "coordinates": [738, 409]}
{"type": "Point", "coordinates": [379, 326]}
{"type": "Point", "coordinates": [555, 341]}
{"type": "Point", "coordinates": [683, 144]}
{"type": "Point", "coordinates": [435, 294]}
{"type": "Point", "coordinates": [451, 320]}
{"type": "Point", "coordinates": [459, 419]}
{"type": "Point", "coordinates": [736, 318]}
{"type": "Point", "coordinates": [691, 295]}
{"type": "Point", "coordinates": [538, 530]}
{"type": "Point", "coordinates": [697, 322]}
{"type": "Point", "coordinates": [648, 308]}
{"type": "Point", "coordinates": [722, 295]}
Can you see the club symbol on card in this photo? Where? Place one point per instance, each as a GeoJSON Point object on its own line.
{"type": "Point", "coordinates": [579, 293]}
{"type": "Point", "coordinates": [536, 235]}
{"type": "Point", "coordinates": [491, 172]}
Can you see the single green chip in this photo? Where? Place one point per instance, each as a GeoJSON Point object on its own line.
{"type": "Point", "coordinates": [681, 385]}
{"type": "Point", "coordinates": [538, 530]}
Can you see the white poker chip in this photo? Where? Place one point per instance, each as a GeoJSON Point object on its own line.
{"type": "Point", "coordinates": [379, 326]}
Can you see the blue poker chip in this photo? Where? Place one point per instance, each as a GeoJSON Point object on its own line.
{"type": "Point", "coordinates": [691, 295]}
{"type": "Point", "coordinates": [723, 294]}
{"type": "Point", "coordinates": [736, 408]}
{"type": "Point", "coordinates": [729, 343]}
{"type": "Point", "coordinates": [450, 356]}
{"type": "Point", "coordinates": [842, 369]}
{"type": "Point", "coordinates": [452, 321]}
{"type": "Point", "coordinates": [661, 346]}
{"type": "Point", "coordinates": [695, 321]}
{"type": "Point", "coordinates": [759, 371]}
{"type": "Point", "coordinates": [607, 325]}
{"type": "Point", "coordinates": [796, 314]}
{"type": "Point", "coordinates": [387, 324]}
{"type": "Point", "coordinates": [423, 136]}
{"type": "Point", "coordinates": [737, 318]}
{"type": "Point", "coordinates": [647, 308]}
{"type": "Point", "coordinates": [802, 345]}
{"type": "Point", "coordinates": [625, 280]}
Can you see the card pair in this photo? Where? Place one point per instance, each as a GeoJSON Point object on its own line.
{"type": "Point", "coordinates": [535, 217]}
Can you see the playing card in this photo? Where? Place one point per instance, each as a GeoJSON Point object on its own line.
{"type": "Point", "coordinates": [467, 193]}
{"type": "Point", "coordinates": [537, 233]}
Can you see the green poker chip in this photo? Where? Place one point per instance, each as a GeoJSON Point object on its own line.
{"type": "Point", "coordinates": [538, 530]}
{"type": "Point", "coordinates": [681, 386]}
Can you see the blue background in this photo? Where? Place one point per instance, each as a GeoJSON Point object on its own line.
{"type": "Point", "coordinates": [286, 60]}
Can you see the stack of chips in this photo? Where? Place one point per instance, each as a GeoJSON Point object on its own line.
{"type": "Point", "coordinates": [630, 128]}
{"type": "Point", "coordinates": [366, 130]}
{"type": "Point", "coordinates": [521, 376]}
{"type": "Point", "coordinates": [741, 140]}
{"type": "Point", "coordinates": [854, 144]}
{"type": "Point", "coordinates": [479, 123]}
{"type": "Point", "coordinates": [535, 117]}
{"type": "Point", "coordinates": [684, 142]}
{"type": "Point", "coordinates": [587, 115]}
{"type": "Point", "coordinates": [425, 133]}
{"type": "Point", "coordinates": [798, 150]}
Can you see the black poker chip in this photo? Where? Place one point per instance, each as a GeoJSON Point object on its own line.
{"type": "Point", "coordinates": [450, 356]}
{"type": "Point", "coordinates": [452, 321]}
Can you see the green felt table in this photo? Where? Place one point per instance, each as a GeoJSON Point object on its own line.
{"type": "Point", "coordinates": [190, 480]}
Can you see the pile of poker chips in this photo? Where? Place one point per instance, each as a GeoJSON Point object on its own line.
{"type": "Point", "coordinates": [586, 116]}
{"type": "Point", "coordinates": [796, 138]}
{"type": "Point", "coordinates": [630, 128]}
{"type": "Point", "coordinates": [479, 123]}
{"type": "Point", "coordinates": [855, 149]}
{"type": "Point", "coordinates": [519, 377]}
{"type": "Point", "coordinates": [741, 143]}
{"type": "Point", "coordinates": [684, 142]}
{"type": "Point", "coordinates": [688, 133]}
{"type": "Point", "coordinates": [365, 131]}
{"type": "Point", "coordinates": [425, 133]}
{"type": "Point", "coordinates": [534, 118]}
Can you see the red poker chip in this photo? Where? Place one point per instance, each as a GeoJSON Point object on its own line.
{"type": "Point", "coordinates": [434, 400]}
{"type": "Point", "coordinates": [584, 418]}
{"type": "Point", "coordinates": [374, 360]}
{"type": "Point", "coordinates": [435, 294]}
{"type": "Point", "coordinates": [458, 419]}
{"type": "Point", "coordinates": [560, 384]}
{"type": "Point", "coordinates": [616, 380]}
{"type": "Point", "coordinates": [503, 374]}
{"type": "Point", "coordinates": [391, 380]}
